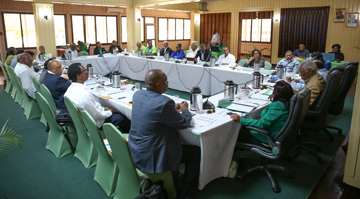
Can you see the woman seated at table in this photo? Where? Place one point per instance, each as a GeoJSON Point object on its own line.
{"type": "Point", "coordinates": [339, 56]}
{"type": "Point", "coordinates": [178, 53]}
{"type": "Point", "coordinates": [273, 117]}
{"type": "Point", "coordinates": [255, 58]}
{"type": "Point", "coordinates": [99, 50]}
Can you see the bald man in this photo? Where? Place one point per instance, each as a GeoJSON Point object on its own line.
{"type": "Point", "coordinates": [55, 83]}
{"type": "Point", "coordinates": [165, 49]}
{"type": "Point", "coordinates": [301, 52]}
{"type": "Point", "coordinates": [154, 139]}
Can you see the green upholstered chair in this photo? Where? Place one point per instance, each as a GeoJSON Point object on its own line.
{"type": "Point", "coordinates": [85, 150]}
{"type": "Point", "coordinates": [185, 51]}
{"type": "Point", "coordinates": [242, 62]}
{"type": "Point", "coordinates": [56, 142]}
{"type": "Point", "coordinates": [46, 93]}
{"type": "Point", "coordinates": [37, 84]}
{"type": "Point", "coordinates": [19, 95]}
{"type": "Point", "coordinates": [8, 80]}
{"type": "Point", "coordinates": [268, 65]}
{"type": "Point", "coordinates": [14, 86]}
{"type": "Point", "coordinates": [130, 177]}
{"type": "Point", "coordinates": [31, 107]}
{"type": "Point", "coordinates": [106, 171]}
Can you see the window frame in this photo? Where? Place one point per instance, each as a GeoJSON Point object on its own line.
{"type": "Point", "coordinates": [22, 36]}
{"type": "Point", "coordinates": [167, 19]}
{"type": "Point", "coordinates": [96, 40]}
{"type": "Point", "coordinates": [122, 29]}
{"type": "Point", "coordinates": [66, 30]}
{"type": "Point", "coordinates": [251, 29]}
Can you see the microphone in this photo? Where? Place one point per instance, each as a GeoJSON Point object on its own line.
{"type": "Point", "coordinates": [127, 54]}
{"type": "Point", "coordinates": [207, 65]}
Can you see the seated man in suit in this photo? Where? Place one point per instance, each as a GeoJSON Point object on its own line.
{"type": "Point", "coordinates": [191, 53]}
{"type": "Point", "coordinates": [150, 49]}
{"type": "Point", "coordinates": [318, 56]}
{"type": "Point", "coordinates": [165, 49]}
{"type": "Point", "coordinates": [203, 54]}
{"type": "Point", "coordinates": [25, 72]}
{"type": "Point", "coordinates": [55, 83]}
{"type": "Point", "coordinates": [114, 45]}
{"type": "Point", "coordinates": [313, 81]}
{"type": "Point", "coordinates": [154, 140]}
{"type": "Point", "coordinates": [84, 100]}
{"type": "Point", "coordinates": [99, 50]}
{"type": "Point", "coordinates": [45, 70]}
{"type": "Point", "coordinates": [301, 52]}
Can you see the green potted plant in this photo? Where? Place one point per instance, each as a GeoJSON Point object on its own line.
{"type": "Point", "coordinates": [9, 141]}
{"type": "Point", "coordinates": [248, 55]}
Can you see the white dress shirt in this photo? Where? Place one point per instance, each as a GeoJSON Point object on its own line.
{"type": "Point", "coordinates": [74, 52]}
{"type": "Point", "coordinates": [230, 59]}
{"type": "Point", "coordinates": [215, 38]}
{"type": "Point", "coordinates": [190, 53]}
{"type": "Point", "coordinates": [84, 100]}
{"type": "Point", "coordinates": [25, 73]}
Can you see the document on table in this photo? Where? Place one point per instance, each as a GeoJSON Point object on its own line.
{"type": "Point", "coordinates": [202, 121]}
{"type": "Point", "coordinates": [259, 97]}
{"type": "Point", "coordinates": [240, 108]}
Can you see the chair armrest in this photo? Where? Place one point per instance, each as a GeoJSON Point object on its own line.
{"type": "Point", "coordinates": [263, 132]}
{"type": "Point", "coordinates": [312, 114]}
{"type": "Point", "coordinates": [259, 130]}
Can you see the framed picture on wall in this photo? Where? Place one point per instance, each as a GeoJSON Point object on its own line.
{"type": "Point", "coordinates": [340, 14]}
{"type": "Point", "coordinates": [352, 20]}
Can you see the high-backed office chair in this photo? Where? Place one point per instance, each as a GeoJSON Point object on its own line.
{"type": "Point", "coordinates": [315, 120]}
{"type": "Point", "coordinates": [281, 143]}
{"type": "Point", "coordinates": [337, 105]}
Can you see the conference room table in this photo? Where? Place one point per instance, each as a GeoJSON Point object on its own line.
{"type": "Point", "coordinates": [215, 133]}
{"type": "Point", "coordinates": [333, 63]}
{"type": "Point", "coordinates": [183, 76]}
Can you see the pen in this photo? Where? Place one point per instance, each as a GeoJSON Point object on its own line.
{"type": "Point", "coordinates": [121, 97]}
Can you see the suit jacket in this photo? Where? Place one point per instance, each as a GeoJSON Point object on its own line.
{"type": "Point", "coordinates": [316, 85]}
{"type": "Point", "coordinates": [162, 51]}
{"type": "Point", "coordinates": [57, 87]}
{"type": "Point", "coordinates": [154, 141]}
{"type": "Point", "coordinates": [42, 76]}
{"type": "Point", "coordinates": [97, 52]}
{"type": "Point", "coordinates": [206, 56]}
{"type": "Point", "coordinates": [118, 49]}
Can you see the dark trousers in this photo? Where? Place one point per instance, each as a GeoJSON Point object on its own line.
{"type": "Point", "coordinates": [191, 157]}
{"type": "Point", "coordinates": [247, 137]}
{"type": "Point", "coordinates": [120, 121]}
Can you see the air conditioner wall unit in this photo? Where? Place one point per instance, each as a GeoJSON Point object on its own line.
{"type": "Point", "coordinates": [114, 10]}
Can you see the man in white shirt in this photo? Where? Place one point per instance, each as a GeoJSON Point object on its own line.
{"type": "Point", "coordinates": [84, 100]}
{"type": "Point", "coordinates": [191, 53]}
{"type": "Point", "coordinates": [226, 58]}
{"type": "Point", "coordinates": [25, 73]}
{"type": "Point", "coordinates": [71, 49]}
{"type": "Point", "coordinates": [215, 38]}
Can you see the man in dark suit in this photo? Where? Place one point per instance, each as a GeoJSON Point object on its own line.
{"type": "Point", "coordinates": [154, 141]}
{"type": "Point", "coordinates": [165, 49]}
{"type": "Point", "coordinates": [99, 50]}
{"type": "Point", "coordinates": [55, 83]}
{"type": "Point", "coordinates": [114, 45]}
{"type": "Point", "coordinates": [203, 54]}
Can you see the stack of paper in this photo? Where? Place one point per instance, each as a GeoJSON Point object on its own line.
{"type": "Point", "coordinates": [240, 108]}
{"type": "Point", "coordinates": [259, 97]}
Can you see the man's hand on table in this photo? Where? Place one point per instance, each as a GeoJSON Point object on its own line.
{"type": "Point", "coordinates": [288, 79]}
{"type": "Point", "coordinates": [181, 106]}
{"type": "Point", "coordinates": [236, 117]}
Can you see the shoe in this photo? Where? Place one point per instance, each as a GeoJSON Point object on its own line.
{"type": "Point", "coordinates": [233, 169]}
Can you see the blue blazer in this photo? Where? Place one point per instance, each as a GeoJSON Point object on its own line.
{"type": "Point", "coordinates": [177, 55]}
{"type": "Point", "coordinates": [154, 141]}
{"type": "Point", "coordinates": [57, 87]}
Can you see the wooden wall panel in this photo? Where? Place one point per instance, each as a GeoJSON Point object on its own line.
{"type": "Point", "coordinates": [220, 21]}
{"type": "Point", "coordinates": [249, 46]}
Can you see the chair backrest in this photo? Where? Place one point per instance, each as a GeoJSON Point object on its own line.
{"type": "Point", "coordinates": [243, 61]}
{"type": "Point", "coordinates": [349, 76]}
{"type": "Point", "coordinates": [46, 110]}
{"type": "Point", "coordinates": [14, 78]}
{"type": "Point", "coordinates": [37, 84]}
{"type": "Point", "coordinates": [46, 93]}
{"type": "Point", "coordinates": [268, 65]}
{"type": "Point", "coordinates": [75, 115]}
{"type": "Point", "coordinates": [121, 154]}
{"type": "Point", "coordinates": [5, 72]}
{"type": "Point", "coordinates": [327, 96]}
{"type": "Point", "coordinates": [83, 53]}
{"type": "Point", "coordinates": [94, 134]}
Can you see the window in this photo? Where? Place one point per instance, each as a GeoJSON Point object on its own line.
{"type": "Point", "coordinates": [149, 20]}
{"type": "Point", "coordinates": [174, 29]}
{"type": "Point", "coordinates": [60, 30]}
{"type": "Point", "coordinates": [20, 30]}
{"type": "Point", "coordinates": [142, 29]}
{"type": "Point", "coordinates": [123, 29]}
{"type": "Point", "coordinates": [97, 28]}
{"type": "Point", "coordinates": [256, 30]}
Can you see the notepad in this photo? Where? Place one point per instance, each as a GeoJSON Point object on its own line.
{"type": "Point", "coordinates": [240, 108]}
{"type": "Point", "coordinates": [259, 97]}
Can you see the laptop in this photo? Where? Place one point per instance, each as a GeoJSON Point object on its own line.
{"type": "Point", "coordinates": [329, 56]}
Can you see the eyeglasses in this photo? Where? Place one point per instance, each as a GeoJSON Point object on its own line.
{"type": "Point", "coordinates": [83, 71]}
{"type": "Point", "coordinates": [302, 72]}
{"type": "Point", "coordinates": [256, 53]}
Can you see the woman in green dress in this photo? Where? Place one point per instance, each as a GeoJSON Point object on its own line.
{"type": "Point", "coordinates": [10, 55]}
{"type": "Point", "coordinates": [273, 117]}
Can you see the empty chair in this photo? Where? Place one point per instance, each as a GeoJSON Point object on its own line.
{"type": "Point", "coordinates": [130, 177]}
{"type": "Point", "coordinates": [85, 150]}
{"type": "Point", "coordinates": [106, 171]}
{"type": "Point", "coordinates": [242, 62]}
{"type": "Point", "coordinates": [56, 142]}
{"type": "Point", "coordinates": [268, 65]}
{"type": "Point", "coordinates": [282, 141]}
{"type": "Point", "coordinates": [9, 85]}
